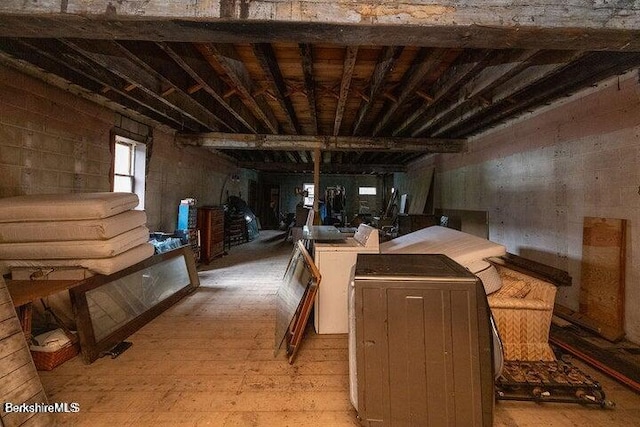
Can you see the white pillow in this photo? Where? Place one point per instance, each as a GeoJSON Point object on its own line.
{"type": "Point", "coordinates": [490, 278]}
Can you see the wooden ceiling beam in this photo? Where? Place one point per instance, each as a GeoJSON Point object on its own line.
{"type": "Point", "coordinates": [84, 73]}
{"type": "Point", "coordinates": [267, 58]}
{"type": "Point", "coordinates": [325, 143]}
{"type": "Point", "coordinates": [465, 66]}
{"type": "Point", "coordinates": [539, 69]}
{"type": "Point", "coordinates": [425, 62]}
{"type": "Point", "coordinates": [108, 55]}
{"type": "Point", "coordinates": [496, 25]}
{"type": "Point", "coordinates": [504, 65]}
{"type": "Point", "coordinates": [345, 168]}
{"type": "Point", "coordinates": [151, 58]}
{"type": "Point", "coordinates": [350, 57]}
{"type": "Point", "coordinates": [238, 78]}
{"type": "Point", "coordinates": [586, 71]}
{"type": "Point", "coordinates": [306, 55]}
{"type": "Point", "coordinates": [385, 63]}
{"type": "Point", "coordinates": [193, 64]}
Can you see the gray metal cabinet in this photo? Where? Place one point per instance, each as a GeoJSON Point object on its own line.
{"type": "Point", "coordinates": [422, 342]}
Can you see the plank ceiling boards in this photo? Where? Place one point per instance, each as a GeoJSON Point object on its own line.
{"type": "Point", "coordinates": [314, 68]}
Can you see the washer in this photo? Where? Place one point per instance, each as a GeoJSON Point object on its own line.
{"type": "Point", "coordinates": [336, 260]}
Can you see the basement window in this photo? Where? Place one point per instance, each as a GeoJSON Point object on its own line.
{"type": "Point", "coordinates": [310, 191]}
{"type": "Point", "coordinates": [367, 191]}
{"type": "Point", "coordinates": [129, 161]}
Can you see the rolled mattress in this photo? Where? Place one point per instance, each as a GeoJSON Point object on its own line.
{"type": "Point", "coordinates": [97, 265]}
{"type": "Point", "coordinates": [89, 229]}
{"type": "Point", "coordinates": [76, 248]}
{"type": "Point", "coordinates": [63, 207]}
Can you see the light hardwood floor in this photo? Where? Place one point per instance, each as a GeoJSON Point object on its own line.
{"type": "Point", "coordinates": [209, 361]}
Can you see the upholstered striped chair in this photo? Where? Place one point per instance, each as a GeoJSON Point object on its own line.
{"type": "Point", "coordinates": [522, 309]}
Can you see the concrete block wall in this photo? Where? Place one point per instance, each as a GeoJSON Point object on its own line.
{"type": "Point", "coordinates": [52, 141]}
{"type": "Point", "coordinates": [538, 177]}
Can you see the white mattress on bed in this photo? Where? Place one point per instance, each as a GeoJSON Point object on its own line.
{"type": "Point", "coordinates": [462, 247]}
{"type": "Point", "coordinates": [97, 265]}
{"type": "Point", "coordinates": [62, 207]}
{"type": "Point", "coordinates": [89, 229]}
{"type": "Point", "coordinates": [76, 248]}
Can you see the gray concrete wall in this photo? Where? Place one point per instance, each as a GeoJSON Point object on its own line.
{"type": "Point", "coordinates": [52, 141]}
{"type": "Point", "coordinates": [540, 176]}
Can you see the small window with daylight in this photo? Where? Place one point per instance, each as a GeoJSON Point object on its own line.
{"type": "Point", "coordinates": [129, 164]}
{"type": "Point", "coordinates": [367, 191]}
{"type": "Point", "coordinates": [309, 190]}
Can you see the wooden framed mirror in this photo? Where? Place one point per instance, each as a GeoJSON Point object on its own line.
{"type": "Point", "coordinates": [294, 299]}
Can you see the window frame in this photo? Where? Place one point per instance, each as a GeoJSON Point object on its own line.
{"type": "Point", "coordinates": [137, 163]}
{"type": "Point", "coordinates": [367, 191]}
{"type": "Point", "coordinates": [310, 188]}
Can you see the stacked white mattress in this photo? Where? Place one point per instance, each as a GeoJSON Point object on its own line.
{"type": "Point", "coordinates": [97, 231]}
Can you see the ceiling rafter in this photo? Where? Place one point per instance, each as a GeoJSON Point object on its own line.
{"type": "Point", "coordinates": [425, 62]}
{"type": "Point", "coordinates": [350, 57]}
{"type": "Point", "coordinates": [586, 71]}
{"type": "Point", "coordinates": [505, 65]}
{"type": "Point", "coordinates": [85, 74]}
{"type": "Point", "coordinates": [188, 59]}
{"type": "Point", "coordinates": [465, 66]}
{"type": "Point", "coordinates": [385, 63]}
{"type": "Point", "coordinates": [306, 55]}
{"type": "Point", "coordinates": [344, 168]}
{"type": "Point", "coordinates": [108, 58]}
{"type": "Point", "coordinates": [266, 56]}
{"type": "Point", "coordinates": [540, 68]}
{"type": "Point", "coordinates": [147, 56]}
{"type": "Point", "coordinates": [238, 78]}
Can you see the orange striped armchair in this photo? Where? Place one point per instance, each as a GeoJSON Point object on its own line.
{"type": "Point", "coordinates": [522, 309]}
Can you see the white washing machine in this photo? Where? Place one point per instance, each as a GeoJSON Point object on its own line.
{"type": "Point", "coordinates": [335, 260]}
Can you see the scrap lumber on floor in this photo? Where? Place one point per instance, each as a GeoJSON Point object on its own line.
{"type": "Point", "coordinates": [209, 361]}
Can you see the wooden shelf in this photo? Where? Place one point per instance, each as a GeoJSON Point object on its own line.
{"type": "Point", "coordinates": [211, 225]}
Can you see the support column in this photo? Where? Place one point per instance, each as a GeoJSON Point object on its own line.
{"type": "Point", "coordinates": [317, 158]}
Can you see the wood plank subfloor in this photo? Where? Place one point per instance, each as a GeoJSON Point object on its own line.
{"type": "Point", "coordinates": [209, 361]}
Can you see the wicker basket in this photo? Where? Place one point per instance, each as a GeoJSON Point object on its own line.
{"type": "Point", "coordinates": [47, 360]}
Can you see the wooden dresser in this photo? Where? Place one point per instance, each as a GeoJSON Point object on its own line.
{"type": "Point", "coordinates": [211, 225]}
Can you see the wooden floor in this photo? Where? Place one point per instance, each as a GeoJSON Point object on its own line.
{"type": "Point", "coordinates": [209, 361]}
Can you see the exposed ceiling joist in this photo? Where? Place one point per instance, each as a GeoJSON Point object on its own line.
{"type": "Point", "coordinates": [239, 80]}
{"type": "Point", "coordinates": [540, 68]}
{"type": "Point", "coordinates": [588, 70]}
{"type": "Point", "coordinates": [505, 64]}
{"type": "Point", "coordinates": [326, 143]}
{"type": "Point", "coordinates": [358, 169]}
{"type": "Point", "coordinates": [148, 57]}
{"type": "Point", "coordinates": [186, 56]}
{"type": "Point", "coordinates": [462, 70]}
{"type": "Point", "coordinates": [267, 58]}
{"type": "Point", "coordinates": [386, 60]}
{"type": "Point", "coordinates": [105, 55]}
{"type": "Point", "coordinates": [424, 63]}
{"type": "Point", "coordinates": [306, 55]}
{"type": "Point", "coordinates": [350, 57]}
{"type": "Point", "coordinates": [87, 75]}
